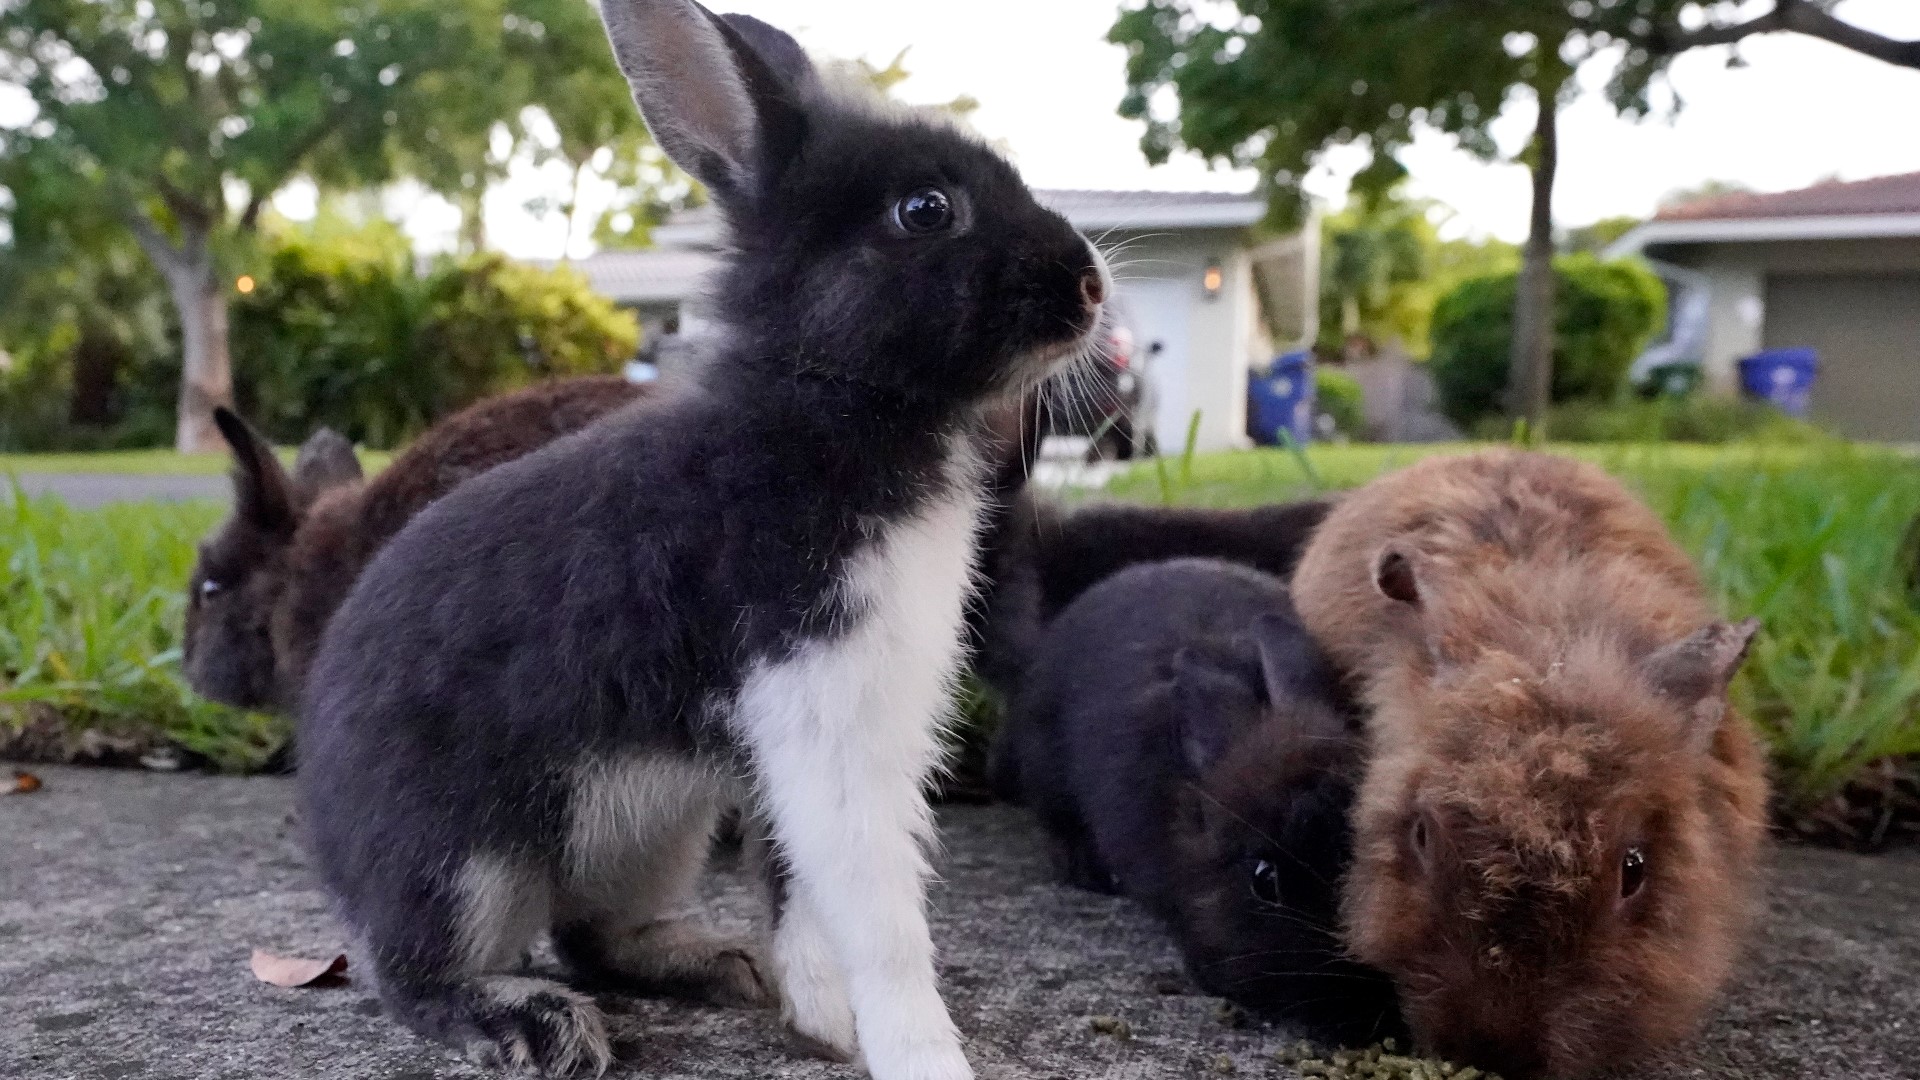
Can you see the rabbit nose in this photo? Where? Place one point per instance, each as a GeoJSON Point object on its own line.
{"type": "Point", "coordinates": [1092, 289]}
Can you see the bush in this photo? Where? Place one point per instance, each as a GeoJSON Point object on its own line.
{"type": "Point", "coordinates": [35, 385]}
{"type": "Point", "coordinates": [347, 335]}
{"type": "Point", "coordinates": [499, 324]}
{"type": "Point", "coordinates": [1338, 397]}
{"type": "Point", "coordinates": [1695, 418]}
{"type": "Point", "coordinates": [1605, 313]}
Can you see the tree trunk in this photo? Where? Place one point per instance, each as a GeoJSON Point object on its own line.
{"type": "Point", "coordinates": [200, 299]}
{"type": "Point", "coordinates": [473, 219]}
{"type": "Point", "coordinates": [97, 359]}
{"type": "Point", "coordinates": [1530, 371]}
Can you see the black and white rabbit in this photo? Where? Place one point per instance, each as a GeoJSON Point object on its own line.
{"type": "Point", "coordinates": [1184, 743]}
{"type": "Point", "coordinates": [529, 709]}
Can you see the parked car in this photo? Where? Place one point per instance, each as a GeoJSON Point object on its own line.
{"type": "Point", "coordinates": [1109, 401]}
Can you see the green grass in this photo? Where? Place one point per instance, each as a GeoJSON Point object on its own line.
{"type": "Point", "coordinates": [90, 612]}
{"type": "Point", "coordinates": [151, 462]}
{"type": "Point", "coordinates": [1807, 537]}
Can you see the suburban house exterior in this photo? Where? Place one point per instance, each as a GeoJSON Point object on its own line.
{"type": "Point", "coordinates": [1834, 267]}
{"type": "Point", "coordinates": [1205, 299]}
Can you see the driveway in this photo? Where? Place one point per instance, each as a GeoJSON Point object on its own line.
{"type": "Point", "coordinates": [129, 902]}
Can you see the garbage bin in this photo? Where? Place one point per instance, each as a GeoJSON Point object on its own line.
{"type": "Point", "coordinates": [1280, 399]}
{"type": "Point", "coordinates": [1781, 377]}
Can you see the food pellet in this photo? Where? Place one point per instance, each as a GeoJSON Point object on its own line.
{"type": "Point", "coordinates": [1376, 1062]}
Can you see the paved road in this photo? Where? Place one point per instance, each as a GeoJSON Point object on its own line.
{"type": "Point", "coordinates": [87, 490]}
{"type": "Point", "coordinates": [129, 901]}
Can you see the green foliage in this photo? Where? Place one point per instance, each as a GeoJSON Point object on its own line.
{"type": "Point", "coordinates": [1382, 264]}
{"type": "Point", "coordinates": [91, 604]}
{"type": "Point", "coordinates": [1694, 418]}
{"type": "Point", "coordinates": [1273, 84]}
{"type": "Point", "coordinates": [176, 121]}
{"type": "Point", "coordinates": [1374, 264]}
{"type": "Point", "coordinates": [1339, 395]}
{"type": "Point", "coordinates": [85, 316]}
{"type": "Point", "coordinates": [1594, 239]}
{"type": "Point", "coordinates": [34, 388]}
{"type": "Point", "coordinates": [344, 333]}
{"type": "Point", "coordinates": [327, 337]}
{"type": "Point", "coordinates": [1806, 537]}
{"type": "Point", "coordinates": [1604, 315]}
{"type": "Point", "coordinates": [499, 324]}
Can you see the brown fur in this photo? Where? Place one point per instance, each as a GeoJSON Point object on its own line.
{"type": "Point", "coordinates": [1534, 714]}
{"type": "Point", "coordinates": [283, 573]}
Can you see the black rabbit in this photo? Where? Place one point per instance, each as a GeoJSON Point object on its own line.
{"type": "Point", "coordinates": [1185, 743]}
{"type": "Point", "coordinates": [534, 700]}
{"type": "Point", "coordinates": [1040, 556]}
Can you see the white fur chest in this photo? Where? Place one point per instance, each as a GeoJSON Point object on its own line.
{"type": "Point", "coordinates": [842, 733]}
{"type": "Point", "coordinates": [886, 675]}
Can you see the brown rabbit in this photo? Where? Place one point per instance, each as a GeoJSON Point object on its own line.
{"type": "Point", "coordinates": [1559, 830]}
{"type": "Point", "coordinates": [267, 581]}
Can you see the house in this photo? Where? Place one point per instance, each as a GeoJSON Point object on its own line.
{"type": "Point", "coordinates": [1834, 267]}
{"type": "Point", "coordinates": [1205, 298]}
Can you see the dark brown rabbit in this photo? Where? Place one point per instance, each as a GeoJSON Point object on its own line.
{"type": "Point", "coordinates": [1559, 831]}
{"type": "Point", "coordinates": [268, 579]}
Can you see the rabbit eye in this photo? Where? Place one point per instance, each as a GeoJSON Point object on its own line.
{"type": "Point", "coordinates": [928, 210]}
{"type": "Point", "coordinates": [1264, 880]}
{"type": "Point", "coordinates": [1418, 834]}
{"type": "Point", "coordinates": [209, 588]}
{"type": "Point", "coordinates": [1633, 872]}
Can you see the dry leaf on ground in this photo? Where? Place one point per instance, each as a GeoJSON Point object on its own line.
{"type": "Point", "coordinates": [25, 783]}
{"type": "Point", "coordinates": [292, 971]}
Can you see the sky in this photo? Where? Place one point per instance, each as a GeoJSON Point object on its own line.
{"type": "Point", "coordinates": [1048, 83]}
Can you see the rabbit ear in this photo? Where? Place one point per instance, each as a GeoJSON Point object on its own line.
{"type": "Point", "coordinates": [262, 494]}
{"type": "Point", "coordinates": [326, 460]}
{"type": "Point", "coordinates": [1394, 575]}
{"type": "Point", "coordinates": [1694, 673]}
{"type": "Point", "coordinates": [1290, 663]}
{"type": "Point", "coordinates": [713, 101]}
{"type": "Point", "coordinates": [775, 47]}
{"type": "Point", "coordinates": [1208, 701]}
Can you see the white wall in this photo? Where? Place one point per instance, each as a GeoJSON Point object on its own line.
{"type": "Point", "coordinates": [1736, 281]}
{"type": "Point", "coordinates": [1208, 344]}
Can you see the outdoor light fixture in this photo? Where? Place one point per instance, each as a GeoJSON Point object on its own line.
{"type": "Point", "coordinates": [244, 283]}
{"type": "Point", "coordinates": [1213, 279]}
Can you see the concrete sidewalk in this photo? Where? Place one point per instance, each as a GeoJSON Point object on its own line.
{"type": "Point", "coordinates": [84, 491]}
{"type": "Point", "coordinates": [129, 903]}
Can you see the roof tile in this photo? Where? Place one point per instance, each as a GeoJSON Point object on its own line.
{"type": "Point", "coordinates": [1880, 195]}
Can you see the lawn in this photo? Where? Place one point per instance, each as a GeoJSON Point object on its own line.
{"type": "Point", "coordinates": [1806, 537]}
{"type": "Point", "coordinates": [90, 613]}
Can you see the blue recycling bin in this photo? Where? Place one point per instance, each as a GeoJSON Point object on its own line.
{"type": "Point", "coordinates": [1280, 399]}
{"type": "Point", "coordinates": [1781, 377]}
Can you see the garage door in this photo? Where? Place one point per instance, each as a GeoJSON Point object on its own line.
{"type": "Point", "coordinates": [1867, 330]}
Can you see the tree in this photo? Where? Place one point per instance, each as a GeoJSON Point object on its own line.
{"type": "Point", "coordinates": [1596, 238]}
{"type": "Point", "coordinates": [1274, 84]}
{"type": "Point", "coordinates": [1374, 257]}
{"type": "Point", "coordinates": [180, 119]}
{"type": "Point", "coordinates": [82, 302]}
